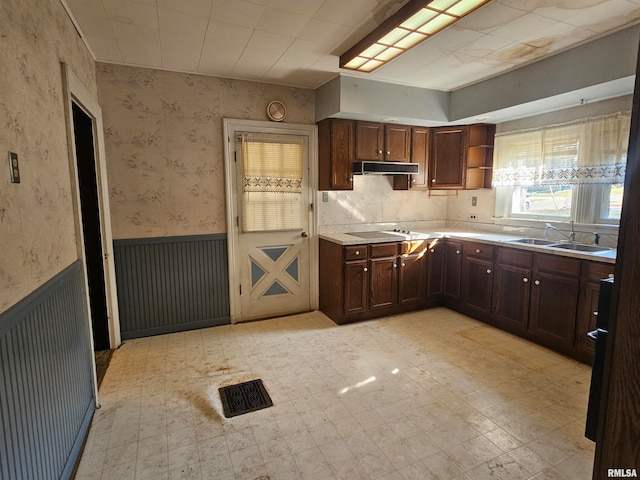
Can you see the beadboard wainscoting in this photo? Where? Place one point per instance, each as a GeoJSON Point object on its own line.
{"type": "Point", "coordinates": [46, 386]}
{"type": "Point", "coordinates": [171, 284]}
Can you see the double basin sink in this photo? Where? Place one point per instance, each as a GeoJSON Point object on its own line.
{"type": "Point", "coordinates": [580, 247]}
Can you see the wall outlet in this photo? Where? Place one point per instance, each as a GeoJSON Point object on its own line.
{"type": "Point", "coordinates": [473, 217]}
{"type": "Point", "coordinates": [325, 196]}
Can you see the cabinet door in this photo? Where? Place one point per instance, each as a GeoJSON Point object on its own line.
{"type": "Point", "coordinates": [397, 143]}
{"type": "Point", "coordinates": [419, 155]}
{"type": "Point", "coordinates": [453, 270]}
{"type": "Point", "coordinates": [554, 300]}
{"type": "Point", "coordinates": [435, 270]}
{"type": "Point", "coordinates": [511, 293]}
{"type": "Point", "coordinates": [383, 283]}
{"type": "Point", "coordinates": [447, 158]}
{"type": "Point", "coordinates": [336, 150]}
{"type": "Point", "coordinates": [356, 287]}
{"type": "Point", "coordinates": [477, 279]}
{"type": "Point", "coordinates": [410, 279]}
{"type": "Point", "coordinates": [369, 141]}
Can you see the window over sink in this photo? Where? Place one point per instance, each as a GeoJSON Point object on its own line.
{"type": "Point", "coordinates": [574, 170]}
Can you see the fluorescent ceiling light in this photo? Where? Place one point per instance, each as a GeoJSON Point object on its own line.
{"type": "Point", "coordinates": [416, 21]}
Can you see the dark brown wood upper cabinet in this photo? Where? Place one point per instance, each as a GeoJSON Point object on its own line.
{"type": "Point", "coordinates": [447, 159]}
{"type": "Point", "coordinates": [336, 154]}
{"type": "Point", "coordinates": [419, 155]}
{"type": "Point", "coordinates": [383, 142]}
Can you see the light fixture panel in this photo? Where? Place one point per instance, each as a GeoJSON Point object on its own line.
{"type": "Point", "coordinates": [416, 21]}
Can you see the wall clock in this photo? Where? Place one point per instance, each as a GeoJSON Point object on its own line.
{"type": "Point", "coordinates": [276, 111]}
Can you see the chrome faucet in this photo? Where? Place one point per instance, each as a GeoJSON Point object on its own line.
{"type": "Point", "coordinates": [572, 235]}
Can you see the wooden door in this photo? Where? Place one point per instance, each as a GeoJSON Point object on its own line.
{"type": "Point", "coordinates": [410, 279]}
{"type": "Point", "coordinates": [453, 270]}
{"type": "Point", "coordinates": [554, 300]}
{"type": "Point", "coordinates": [369, 141]}
{"type": "Point", "coordinates": [383, 291]}
{"type": "Point", "coordinates": [511, 292]}
{"type": "Point", "coordinates": [397, 143]}
{"type": "Point", "coordinates": [336, 150]}
{"type": "Point", "coordinates": [477, 278]}
{"type": "Point", "coordinates": [356, 287]}
{"type": "Point", "coordinates": [447, 159]}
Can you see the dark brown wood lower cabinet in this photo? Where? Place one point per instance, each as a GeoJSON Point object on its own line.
{"type": "Point", "coordinates": [435, 271]}
{"type": "Point", "coordinates": [554, 300]}
{"type": "Point", "coordinates": [453, 270]}
{"type": "Point", "coordinates": [410, 279]}
{"type": "Point", "coordinates": [356, 287]}
{"type": "Point", "coordinates": [382, 290]}
{"type": "Point", "coordinates": [477, 278]}
{"type": "Point", "coordinates": [512, 289]}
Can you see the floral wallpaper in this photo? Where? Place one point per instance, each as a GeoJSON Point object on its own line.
{"type": "Point", "coordinates": [165, 149]}
{"type": "Point", "coordinates": [37, 231]}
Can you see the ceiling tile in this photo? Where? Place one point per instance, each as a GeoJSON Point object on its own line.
{"type": "Point", "coordinates": [522, 26]}
{"type": "Point", "coordinates": [94, 25]}
{"type": "Point", "coordinates": [106, 49]}
{"type": "Point", "coordinates": [236, 12]}
{"type": "Point", "coordinates": [605, 16]}
{"type": "Point", "coordinates": [132, 13]}
{"type": "Point", "coordinates": [282, 22]}
{"type": "Point", "coordinates": [222, 48]}
{"type": "Point", "coordinates": [350, 13]}
{"type": "Point", "coordinates": [324, 33]}
{"type": "Point", "coordinates": [199, 8]}
{"type": "Point", "coordinates": [91, 7]}
{"type": "Point", "coordinates": [180, 52]}
{"type": "Point", "coordinates": [301, 54]}
{"type": "Point", "coordinates": [453, 38]}
{"type": "Point", "coordinates": [139, 45]}
{"type": "Point", "coordinates": [262, 52]}
{"type": "Point", "coordinates": [485, 45]}
{"type": "Point", "coordinates": [303, 7]}
{"type": "Point", "coordinates": [490, 17]}
{"type": "Point", "coordinates": [184, 23]}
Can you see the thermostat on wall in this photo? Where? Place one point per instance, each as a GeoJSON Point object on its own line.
{"type": "Point", "coordinates": [276, 111]}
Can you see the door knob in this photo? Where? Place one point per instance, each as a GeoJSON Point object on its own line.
{"type": "Point", "coordinates": [304, 235]}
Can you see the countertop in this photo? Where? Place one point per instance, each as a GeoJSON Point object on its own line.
{"type": "Point", "coordinates": [503, 240]}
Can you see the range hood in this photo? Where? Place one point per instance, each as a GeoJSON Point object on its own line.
{"type": "Point", "coordinates": [385, 168]}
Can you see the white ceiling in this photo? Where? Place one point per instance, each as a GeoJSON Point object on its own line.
{"type": "Point", "coordinates": [298, 42]}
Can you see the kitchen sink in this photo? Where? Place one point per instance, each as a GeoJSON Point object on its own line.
{"type": "Point", "coordinates": [534, 241]}
{"type": "Point", "coordinates": [580, 247]}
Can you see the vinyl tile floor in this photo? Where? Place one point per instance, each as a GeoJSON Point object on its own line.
{"type": "Point", "coordinates": [425, 395]}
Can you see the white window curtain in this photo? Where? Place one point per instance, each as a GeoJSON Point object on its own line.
{"type": "Point", "coordinates": [272, 182]}
{"type": "Point", "coordinates": [590, 151]}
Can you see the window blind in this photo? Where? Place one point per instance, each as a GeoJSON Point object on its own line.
{"type": "Point", "coordinates": [272, 182]}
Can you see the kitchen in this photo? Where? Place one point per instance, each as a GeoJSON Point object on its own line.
{"type": "Point", "coordinates": [157, 206]}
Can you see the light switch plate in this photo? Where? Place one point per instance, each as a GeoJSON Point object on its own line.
{"type": "Point", "coordinates": [474, 201]}
{"type": "Point", "coordinates": [14, 167]}
{"type": "Point", "coordinates": [325, 196]}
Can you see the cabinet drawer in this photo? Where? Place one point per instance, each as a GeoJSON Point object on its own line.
{"type": "Point", "coordinates": [479, 250]}
{"type": "Point", "coordinates": [514, 257]}
{"type": "Point", "coordinates": [558, 265]}
{"type": "Point", "coordinates": [355, 252]}
{"type": "Point", "coordinates": [384, 250]}
{"type": "Point", "coordinates": [413, 246]}
{"type": "Point", "coordinates": [597, 271]}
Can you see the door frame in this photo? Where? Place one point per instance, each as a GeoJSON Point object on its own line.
{"type": "Point", "coordinates": [75, 92]}
{"type": "Point", "coordinates": [230, 128]}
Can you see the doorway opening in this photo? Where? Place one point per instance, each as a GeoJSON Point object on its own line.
{"type": "Point", "coordinates": [92, 234]}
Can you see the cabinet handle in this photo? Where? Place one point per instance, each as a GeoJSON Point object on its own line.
{"type": "Point", "coordinates": [395, 265]}
{"type": "Point", "coordinates": [388, 152]}
{"type": "Point", "coordinates": [380, 152]}
{"type": "Point", "coordinates": [432, 250]}
{"type": "Point", "coordinates": [525, 280]}
{"type": "Point", "coordinates": [404, 264]}
{"type": "Point", "coordinates": [433, 180]}
{"type": "Point", "coordinates": [537, 282]}
{"type": "Point", "coordinates": [488, 270]}
{"type": "Point", "coordinates": [477, 250]}
{"type": "Point", "coordinates": [457, 252]}
{"type": "Point", "coordinates": [610, 275]}
{"type": "Point", "coordinates": [366, 269]}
